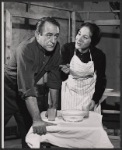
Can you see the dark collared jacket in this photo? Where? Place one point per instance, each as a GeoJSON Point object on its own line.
{"type": "Point", "coordinates": [25, 67]}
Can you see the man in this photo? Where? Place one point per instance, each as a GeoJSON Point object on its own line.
{"type": "Point", "coordinates": [30, 61]}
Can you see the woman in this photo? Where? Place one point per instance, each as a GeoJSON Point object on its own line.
{"type": "Point", "coordinates": [83, 70]}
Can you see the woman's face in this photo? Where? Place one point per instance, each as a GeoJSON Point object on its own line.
{"type": "Point", "coordinates": [83, 39]}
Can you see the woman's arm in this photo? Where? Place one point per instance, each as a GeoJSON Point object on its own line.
{"type": "Point", "coordinates": [100, 67]}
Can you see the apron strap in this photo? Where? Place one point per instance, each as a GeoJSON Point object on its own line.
{"type": "Point", "coordinates": [90, 55]}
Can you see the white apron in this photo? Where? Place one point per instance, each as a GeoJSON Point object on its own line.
{"type": "Point", "coordinates": [78, 89]}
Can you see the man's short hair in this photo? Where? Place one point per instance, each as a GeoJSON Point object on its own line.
{"type": "Point", "coordinates": [42, 21]}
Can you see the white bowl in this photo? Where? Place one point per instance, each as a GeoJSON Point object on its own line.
{"type": "Point", "coordinates": [73, 118]}
{"type": "Point", "coordinates": [73, 115]}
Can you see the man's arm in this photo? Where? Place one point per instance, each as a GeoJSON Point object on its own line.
{"type": "Point", "coordinates": [39, 126]}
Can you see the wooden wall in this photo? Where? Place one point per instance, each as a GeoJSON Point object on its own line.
{"type": "Point", "coordinates": [110, 43]}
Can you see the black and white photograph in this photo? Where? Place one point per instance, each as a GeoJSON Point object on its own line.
{"type": "Point", "coordinates": [61, 76]}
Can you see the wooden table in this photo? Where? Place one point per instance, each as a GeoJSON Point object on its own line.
{"type": "Point", "coordinates": [109, 92]}
{"type": "Point", "coordinates": [112, 93]}
{"type": "Point", "coordinates": [88, 133]}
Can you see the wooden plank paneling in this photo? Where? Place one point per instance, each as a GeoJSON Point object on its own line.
{"type": "Point", "coordinates": [113, 22]}
{"type": "Point", "coordinates": [14, 13]}
{"type": "Point", "coordinates": [73, 26]}
{"type": "Point", "coordinates": [69, 28]}
{"type": "Point", "coordinates": [34, 16]}
{"type": "Point", "coordinates": [8, 36]}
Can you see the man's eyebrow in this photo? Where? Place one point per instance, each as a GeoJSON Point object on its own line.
{"type": "Point", "coordinates": [52, 33]}
{"type": "Point", "coordinates": [49, 33]}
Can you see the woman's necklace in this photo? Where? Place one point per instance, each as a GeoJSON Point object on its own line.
{"type": "Point", "coordinates": [83, 52]}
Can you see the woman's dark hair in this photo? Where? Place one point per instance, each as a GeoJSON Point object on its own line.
{"type": "Point", "coordinates": [42, 21]}
{"type": "Point", "coordinates": [95, 30]}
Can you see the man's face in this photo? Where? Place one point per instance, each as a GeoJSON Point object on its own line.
{"type": "Point", "coordinates": [83, 39]}
{"type": "Point", "coordinates": [49, 36]}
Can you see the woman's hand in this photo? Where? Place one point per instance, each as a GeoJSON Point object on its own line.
{"type": "Point", "coordinates": [65, 68]}
{"type": "Point", "coordinates": [92, 105]}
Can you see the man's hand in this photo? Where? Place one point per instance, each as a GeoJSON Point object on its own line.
{"type": "Point", "coordinates": [39, 127]}
{"type": "Point", "coordinates": [92, 105]}
{"type": "Point", "coordinates": [65, 68]}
